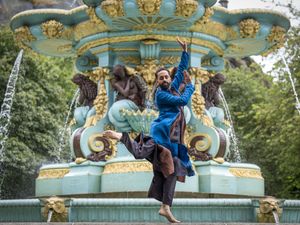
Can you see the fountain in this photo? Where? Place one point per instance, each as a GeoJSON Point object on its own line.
{"type": "Point", "coordinates": [6, 110]}
{"type": "Point", "coordinates": [105, 183]}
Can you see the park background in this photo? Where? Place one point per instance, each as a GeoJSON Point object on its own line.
{"type": "Point", "coordinates": [258, 91]}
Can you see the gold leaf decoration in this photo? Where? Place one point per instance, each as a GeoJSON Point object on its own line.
{"type": "Point", "coordinates": [249, 28]}
{"type": "Point", "coordinates": [113, 8]}
{"type": "Point", "coordinates": [130, 59]}
{"type": "Point", "coordinates": [149, 7]}
{"type": "Point", "coordinates": [186, 8]}
{"type": "Point", "coordinates": [52, 29]}
{"type": "Point", "coordinates": [169, 60]}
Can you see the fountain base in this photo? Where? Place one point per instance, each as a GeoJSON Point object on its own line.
{"type": "Point", "coordinates": [125, 174]}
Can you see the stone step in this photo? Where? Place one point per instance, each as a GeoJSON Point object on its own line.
{"type": "Point", "coordinates": [95, 223]}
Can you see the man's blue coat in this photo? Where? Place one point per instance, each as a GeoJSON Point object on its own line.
{"type": "Point", "coordinates": [168, 106]}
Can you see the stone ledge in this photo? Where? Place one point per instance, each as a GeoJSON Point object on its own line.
{"type": "Point", "coordinates": [95, 223]}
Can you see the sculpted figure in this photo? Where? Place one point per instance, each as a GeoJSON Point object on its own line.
{"type": "Point", "coordinates": [131, 93]}
{"type": "Point", "coordinates": [186, 8]}
{"type": "Point", "coordinates": [210, 92]}
{"type": "Point", "coordinates": [149, 7]}
{"type": "Point", "coordinates": [88, 93]}
{"type": "Point", "coordinates": [112, 8]}
{"type": "Point", "coordinates": [57, 205]}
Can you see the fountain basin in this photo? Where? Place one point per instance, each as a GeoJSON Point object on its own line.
{"type": "Point", "coordinates": [189, 210]}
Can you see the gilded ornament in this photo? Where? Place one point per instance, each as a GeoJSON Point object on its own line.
{"type": "Point", "coordinates": [149, 27]}
{"type": "Point", "coordinates": [200, 141]}
{"type": "Point", "coordinates": [113, 8]}
{"type": "Point", "coordinates": [99, 144]}
{"type": "Point", "coordinates": [130, 59]}
{"type": "Point", "coordinates": [205, 18]}
{"type": "Point", "coordinates": [267, 208]}
{"type": "Point", "coordinates": [52, 173]}
{"type": "Point", "coordinates": [23, 35]}
{"type": "Point", "coordinates": [57, 206]}
{"type": "Point", "coordinates": [165, 60]}
{"type": "Point", "coordinates": [249, 173]}
{"type": "Point", "coordinates": [109, 126]}
{"type": "Point", "coordinates": [214, 28]}
{"type": "Point", "coordinates": [101, 100]}
{"type": "Point", "coordinates": [198, 101]}
{"type": "Point", "coordinates": [80, 160]}
{"type": "Point", "coordinates": [95, 19]}
{"type": "Point", "coordinates": [209, 44]}
{"type": "Point", "coordinates": [64, 48]}
{"type": "Point", "coordinates": [277, 36]}
{"type": "Point", "coordinates": [52, 29]}
{"type": "Point", "coordinates": [249, 28]}
{"type": "Point", "coordinates": [147, 71]}
{"type": "Point", "coordinates": [149, 7]}
{"type": "Point", "coordinates": [186, 8]}
{"type": "Point", "coordinates": [128, 167]}
{"type": "Point", "coordinates": [202, 75]}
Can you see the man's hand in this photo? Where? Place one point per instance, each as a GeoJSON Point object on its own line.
{"type": "Point", "coordinates": [183, 44]}
{"type": "Point", "coordinates": [187, 77]}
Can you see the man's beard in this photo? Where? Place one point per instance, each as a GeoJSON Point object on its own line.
{"type": "Point", "coordinates": [165, 85]}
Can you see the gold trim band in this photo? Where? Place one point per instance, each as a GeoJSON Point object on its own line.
{"type": "Point", "coordinates": [52, 173]}
{"type": "Point", "coordinates": [248, 173]}
{"type": "Point", "coordinates": [104, 41]}
{"type": "Point", "coordinates": [127, 167]}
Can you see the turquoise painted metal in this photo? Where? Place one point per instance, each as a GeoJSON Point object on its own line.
{"type": "Point", "coordinates": [142, 36]}
{"type": "Point", "coordinates": [145, 210]}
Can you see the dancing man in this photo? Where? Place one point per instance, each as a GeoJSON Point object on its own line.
{"type": "Point", "coordinates": [166, 136]}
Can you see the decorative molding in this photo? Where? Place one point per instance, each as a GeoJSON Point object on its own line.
{"type": "Point", "coordinates": [101, 101]}
{"type": "Point", "coordinates": [127, 167]}
{"type": "Point", "coordinates": [52, 29]}
{"type": "Point", "coordinates": [249, 28]}
{"type": "Point", "coordinates": [169, 60]}
{"type": "Point", "coordinates": [52, 173]}
{"type": "Point", "coordinates": [149, 7]}
{"type": "Point", "coordinates": [64, 48]}
{"type": "Point", "coordinates": [23, 35]}
{"type": "Point", "coordinates": [130, 59]}
{"type": "Point", "coordinates": [243, 172]}
{"type": "Point", "coordinates": [215, 47]}
{"type": "Point", "coordinates": [186, 8]}
{"type": "Point", "coordinates": [149, 27]}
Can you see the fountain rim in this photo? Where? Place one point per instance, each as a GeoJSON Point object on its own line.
{"type": "Point", "coordinates": [82, 8]}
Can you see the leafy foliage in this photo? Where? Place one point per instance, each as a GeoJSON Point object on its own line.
{"type": "Point", "coordinates": [43, 93]}
{"type": "Point", "coordinates": [267, 122]}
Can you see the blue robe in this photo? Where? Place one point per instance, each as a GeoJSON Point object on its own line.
{"type": "Point", "coordinates": [169, 108]}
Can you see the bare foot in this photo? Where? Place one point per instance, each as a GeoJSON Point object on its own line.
{"type": "Point", "coordinates": [112, 134]}
{"type": "Point", "coordinates": [166, 212]}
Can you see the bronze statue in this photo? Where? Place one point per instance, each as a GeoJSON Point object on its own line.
{"type": "Point", "coordinates": [210, 90]}
{"type": "Point", "coordinates": [129, 87]}
{"type": "Point", "coordinates": [88, 93]}
{"type": "Point", "coordinates": [88, 89]}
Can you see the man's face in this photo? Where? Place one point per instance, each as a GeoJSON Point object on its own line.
{"type": "Point", "coordinates": [164, 79]}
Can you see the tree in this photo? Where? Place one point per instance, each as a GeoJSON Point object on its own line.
{"type": "Point", "coordinates": [267, 122]}
{"type": "Point", "coordinates": [43, 92]}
